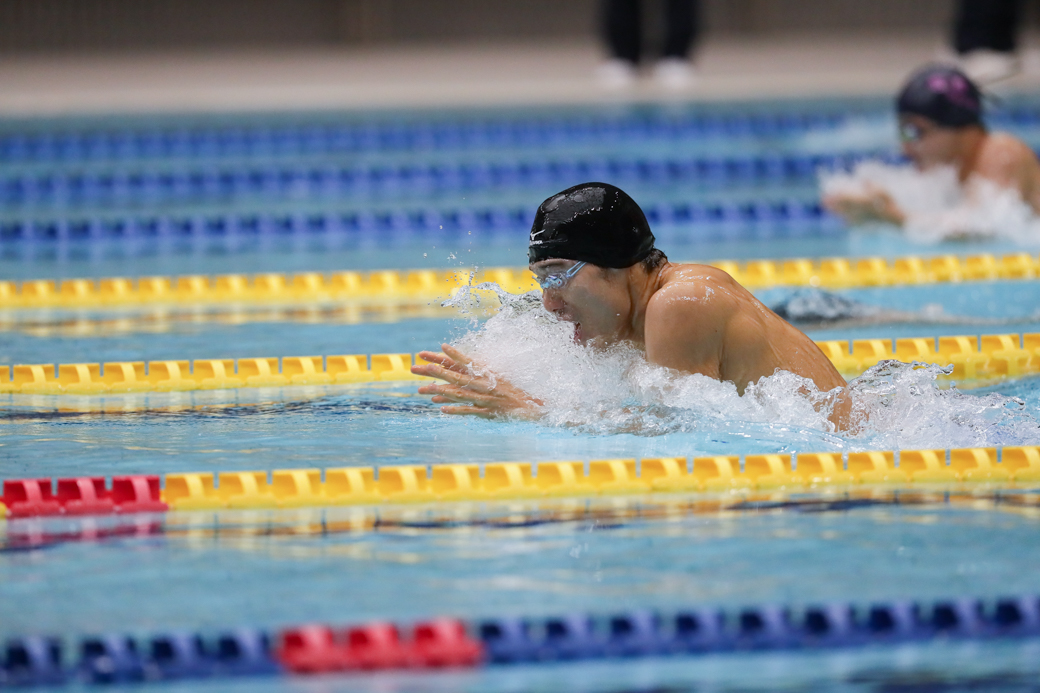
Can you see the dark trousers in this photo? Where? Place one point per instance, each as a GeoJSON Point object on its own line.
{"type": "Point", "coordinates": [623, 25]}
{"type": "Point", "coordinates": [989, 24]}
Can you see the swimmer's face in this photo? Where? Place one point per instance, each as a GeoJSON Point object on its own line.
{"type": "Point", "coordinates": [927, 144]}
{"type": "Point", "coordinates": [595, 299]}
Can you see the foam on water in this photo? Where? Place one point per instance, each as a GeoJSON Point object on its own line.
{"type": "Point", "coordinates": [615, 390]}
{"type": "Point", "coordinates": [937, 206]}
{"type": "Point", "coordinates": [862, 133]}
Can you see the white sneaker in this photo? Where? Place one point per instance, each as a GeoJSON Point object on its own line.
{"type": "Point", "coordinates": [674, 74]}
{"type": "Point", "coordinates": [616, 74]}
{"type": "Point", "coordinates": [986, 66]}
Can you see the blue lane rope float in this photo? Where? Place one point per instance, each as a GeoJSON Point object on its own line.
{"type": "Point", "coordinates": [165, 184]}
{"type": "Point", "coordinates": [759, 219]}
{"type": "Point", "coordinates": [193, 139]}
{"type": "Point", "coordinates": [186, 138]}
{"type": "Point", "coordinates": [451, 643]}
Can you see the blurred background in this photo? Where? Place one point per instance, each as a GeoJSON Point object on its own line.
{"type": "Point", "coordinates": [105, 55]}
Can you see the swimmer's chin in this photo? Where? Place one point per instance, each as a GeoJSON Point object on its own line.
{"type": "Point", "coordinates": [594, 341]}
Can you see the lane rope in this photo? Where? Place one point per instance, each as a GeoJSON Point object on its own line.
{"type": "Point", "coordinates": [974, 358]}
{"type": "Point", "coordinates": [755, 218]}
{"type": "Point", "coordinates": [295, 488]}
{"type": "Point", "coordinates": [402, 286]}
{"type": "Point", "coordinates": [167, 182]}
{"type": "Point", "coordinates": [448, 643]}
{"type": "Point", "coordinates": [190, 138]}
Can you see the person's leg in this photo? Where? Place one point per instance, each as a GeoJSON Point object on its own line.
{"type": "Point", "coordinates": [681, 28]}
{"type": "Point", "coordinates": [674, 71]}
{"type": "Point", "coordinates": [986, 25]}
{"type": "Point", "coordinates": [622, 26]}
{"type": "Point", "coordinates": [985, 38]}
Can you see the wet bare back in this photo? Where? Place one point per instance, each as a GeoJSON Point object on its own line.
{"type": "Point", "coordinates": [700, 320]}
{"type": "Point", "coordinates": [1008, 162]}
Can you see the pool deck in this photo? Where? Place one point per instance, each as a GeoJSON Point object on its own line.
{"type": "Point", "coordinates": [458, 75]}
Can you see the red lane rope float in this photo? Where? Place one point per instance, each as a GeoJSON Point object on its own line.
{"type": "Point", "coordinates": [83, 496]}
{"type": "Point", "coordinates": [441, 643]}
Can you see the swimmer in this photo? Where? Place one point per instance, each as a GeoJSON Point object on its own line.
{"type": "Point", "coordinates": [593, 254]}
{"type": "Point", "coordinates": [940, 124]}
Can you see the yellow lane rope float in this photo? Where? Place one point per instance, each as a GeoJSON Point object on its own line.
{"type": "Point", "coordinates": [508, 480]}
{"type": "Point", "coordinates": [427, 285]}
{"type": "Point", "coordinates": [993, 356]}
{"type": "Point", "coordinates": [960, 470]}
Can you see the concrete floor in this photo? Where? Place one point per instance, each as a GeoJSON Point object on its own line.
{"type": "Point", "coordinates": [458, 75]}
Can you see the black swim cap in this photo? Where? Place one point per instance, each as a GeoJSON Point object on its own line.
{"type": "Point", "coordinates": [593, 222]}
{"type": "Point", "coordinates": [942, 94]}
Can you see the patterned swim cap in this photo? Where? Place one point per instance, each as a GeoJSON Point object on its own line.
{"type": "Point", "coordinates": [942, 94]}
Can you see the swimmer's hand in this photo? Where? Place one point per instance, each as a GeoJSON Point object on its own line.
{"type": "Point", "coordinates": [873, 205]}
{"type": "Point", "coordinates": [478, 395]}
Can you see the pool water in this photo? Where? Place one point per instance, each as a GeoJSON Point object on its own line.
{"type": "Point", "coordinates": [207, 571]}
{"type": "Point", "coordinates": [204, 571]}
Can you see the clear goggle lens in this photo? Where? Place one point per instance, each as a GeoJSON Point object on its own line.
{"type": "Point", "coordinates": [560, 279]}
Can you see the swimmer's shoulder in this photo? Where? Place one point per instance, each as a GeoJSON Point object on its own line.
{"type": "Point", "coordinates": [1008, 161]}
{"type": "Point", "coordinates": [690, 289]}
{"type": "Point", "coordinates": [688, 316]}
{"type": "Point", "coordinates": [695, 275]}
{"type": "Point", "coordinates": [1003, 149]}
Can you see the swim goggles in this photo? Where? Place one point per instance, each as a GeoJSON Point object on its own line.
{"type": "Point", "coordinates": [559, 279]}
{"type": "Point", "coordinates": [909, 132]}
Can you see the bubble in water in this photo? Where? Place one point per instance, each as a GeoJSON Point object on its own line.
{"type": "Point", "coordinates": [937, 206]}
{"type": "Point", "coordinates": [615, 390]}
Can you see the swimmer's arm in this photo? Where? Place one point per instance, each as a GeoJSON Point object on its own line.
{"type": "Point", "coordinates": [466, 394]}
{"type": "Point", "coordinates": [685, 327]}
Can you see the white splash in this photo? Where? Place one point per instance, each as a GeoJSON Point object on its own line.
{"type": "Point", "coordinates": [937, 206]}
{"type": "Point", "coordinates": [617, 391]}
{"type": "Point", "coordinates": [900, 407]}
{"type": "Point", "coordinates": [864, 133]}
